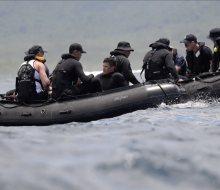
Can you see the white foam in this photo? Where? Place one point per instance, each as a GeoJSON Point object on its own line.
{"type": "Point", "coordinates": [190, 104]}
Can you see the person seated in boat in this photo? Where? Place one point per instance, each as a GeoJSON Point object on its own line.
{"type": "Point", "coordinates": [123, 66]}
{"type": "Point", "coordinates": [179, 62]}
{"type": "Point", "coordinates": [214, 35]}
{"type": "Point", "coordinates": [158, 63]}
{"type": "Point", "coordinates": [110, 79]}
{"type": "Point", "coordinates": [32, 82]}
{"type": "Point", "coordinates": [67, 72]}
{"type": "Point", "coordinates": [198, 56]}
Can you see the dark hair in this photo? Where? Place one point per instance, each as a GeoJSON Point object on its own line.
{"type": "Point", "coordinates": [110, 60]}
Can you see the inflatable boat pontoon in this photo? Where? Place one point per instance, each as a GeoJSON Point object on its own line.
{"type": "Point", "coordinates": [108, 104]}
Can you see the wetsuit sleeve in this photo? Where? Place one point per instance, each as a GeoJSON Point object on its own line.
{"type": "Point", "coordinates": [79, 72]}
{"type": "Point", "coordinates": [127, 72]}
{"type": "Point", "coordinates": [118, 80]}
{"type": "Point", "coordinates": [208, 54]}
{"type": "Point", "coordinates": [98, 76]}
{"type": "Point", "coordinates": [170, 66]}
{"type": "Point", "coordinates": [189, 61]}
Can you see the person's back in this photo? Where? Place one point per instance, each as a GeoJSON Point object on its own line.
{"type": "Point", "coordinates": [179, 62]}
{"type": "Point", "coordinates": [158, 63]}
{"type": "Point", "coordinates": [32, 82]}
{"type": "Point", "coordinates": [67, 72]}
{"type": "Point", "coordinates": [69, 69]}
{"type": "Point", "coordinates": [123, 66]}
{"type": "Point", "coordinates": [110, 79]}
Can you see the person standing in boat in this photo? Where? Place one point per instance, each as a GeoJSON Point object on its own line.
{"type": "Point", "coordinates": [198, 56]}
{"type": "Point", "coordinates": [158, 63]}
{"type": "Point", "coordinates": [214, 35]}
{"type": "Point", "coordinates": [110, 79]}
{"type": "Point", "coordinates": [32, 82]}
{"type": "Point", "coordinates": [67, 73]}
{"type": "Point", "coordinates": [123, 66]}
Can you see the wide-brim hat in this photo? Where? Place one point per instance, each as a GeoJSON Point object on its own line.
{"type": "Point", "coordinates": [124, 46]}
{"type": "Point", "coordinates": [35, 50]}
{"type": "Point", "coordinates": [214, 34]}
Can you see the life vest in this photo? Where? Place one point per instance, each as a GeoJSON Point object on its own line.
{"type": "Point", "coordinates": [25, 81]}
{"type": "Point", "coordinates": [152, 68]}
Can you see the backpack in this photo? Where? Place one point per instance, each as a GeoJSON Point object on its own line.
{"type": "Point", "coordinates": [25, 82]}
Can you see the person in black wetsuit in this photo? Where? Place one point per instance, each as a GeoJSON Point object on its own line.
{"type": "Point", "coordinates": [158, 63]}
{"type": "Point", "coordinates": [214, 35]}
{"type": "Point", "coordinates": [67, 73]}
{"type": "Point", "coordinates": [123, 66]}
{"type": "Point", "coordinates": [110, 79]}
{"type": "Point", "coordinates": [198, 56]}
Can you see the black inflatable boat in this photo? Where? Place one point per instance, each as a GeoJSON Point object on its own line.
{"type": "Point", "coordinates": [109, 103]}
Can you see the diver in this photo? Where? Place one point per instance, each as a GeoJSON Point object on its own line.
{"type": "Point", "coordinates": [110, 79]}
{"type": "Point", "coordinates": [214, 35]}
{"type": "Point", "coordinates": [158, 63]}
{"type": "Point", "coordinates": [123, 66]}
{"type": "Point", "coordinates": [68, 72]}
{"type": "Point", "coordinates": [198, 56]}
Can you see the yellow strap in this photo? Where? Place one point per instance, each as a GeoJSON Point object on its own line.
{"type": "Point", "coordinates": [39, 58]}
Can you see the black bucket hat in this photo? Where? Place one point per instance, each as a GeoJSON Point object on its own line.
{"type": "Point", "coordinates": [214, 34]}
{"type": "Point", "coordinates": [35, 50]}
{"type": "Point", "coordinates": [124, 46]}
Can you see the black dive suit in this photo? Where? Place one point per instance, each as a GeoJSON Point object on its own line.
{"type": "Point", "coordinates": [66, 74]}
{"type": "Point", "coordinates": [124, 67]}
{"type": "Point", "coordinates": [216, 57]}
{"type": "Point", "coordinates": [200, 62]}
{"type": "Point", "coordinates": [111, 80]}
{"type": "Point", "coordinates": [158, 63]}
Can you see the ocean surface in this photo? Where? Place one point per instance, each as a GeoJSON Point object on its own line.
{"type": "Point", "coordinates": [174, 147]}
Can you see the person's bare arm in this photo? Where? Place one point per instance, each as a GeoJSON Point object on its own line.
{"type": "Point", "coordinates": [178, 69]}
{"type": "Point", "coordinates": [43, 76]}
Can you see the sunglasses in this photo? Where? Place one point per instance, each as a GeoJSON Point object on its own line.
{"type": "Point", "coordinates": [186, 44]}
{"type": "Point", "coordinates": [41, 52]}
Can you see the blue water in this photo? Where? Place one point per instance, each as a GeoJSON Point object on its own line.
{"type": "Point", "coordinates": [165, 148]}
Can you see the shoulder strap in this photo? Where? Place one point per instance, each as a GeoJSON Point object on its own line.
{"type": "Point", "coordinates": [148, 64]}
